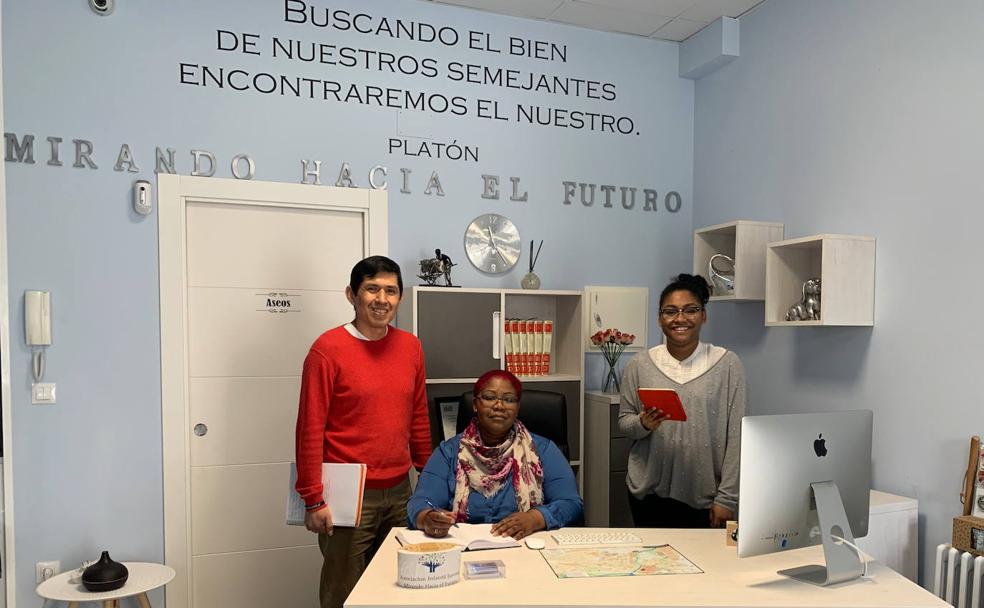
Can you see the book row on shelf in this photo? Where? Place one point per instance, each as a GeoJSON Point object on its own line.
{"type": "Point", "coordinates": [528, 343]}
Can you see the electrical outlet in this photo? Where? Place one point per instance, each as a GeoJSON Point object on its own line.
{"type": "Point", "coordinates": [45, 570]}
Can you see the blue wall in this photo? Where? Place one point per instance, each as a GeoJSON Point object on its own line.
{"type": "Point", "coordinates": [863, 118]}
{"type": "Point", "coordinates": [87, 471]}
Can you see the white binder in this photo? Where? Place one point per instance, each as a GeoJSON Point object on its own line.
{"type": "Point", "coordinates": [344, 486]}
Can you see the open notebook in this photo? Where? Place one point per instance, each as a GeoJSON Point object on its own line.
{"type": "Point", "coordinates": [470, 536]}
{"type": "Point", "coordinates": [344, 485]}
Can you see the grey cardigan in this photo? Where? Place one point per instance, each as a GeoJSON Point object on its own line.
{"type": "Point", "coordinates": [696, 461]}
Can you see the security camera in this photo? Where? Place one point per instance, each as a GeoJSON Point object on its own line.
{"type": "Point", "coordinates": [102, 7]}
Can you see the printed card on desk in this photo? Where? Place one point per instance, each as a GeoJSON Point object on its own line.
{"type": "Point", "coordinates": [470, 536]}
{"type": "Point", "coordinates": [665, 399]}
{"type": "Point", "coordinates": [344, 486]}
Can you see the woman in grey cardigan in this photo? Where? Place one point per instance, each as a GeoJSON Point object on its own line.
{"type": "Point", "coordinates": [684, 474]}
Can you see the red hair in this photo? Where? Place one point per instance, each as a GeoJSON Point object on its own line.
{"type": "Point", "coordinates": [498, 373]}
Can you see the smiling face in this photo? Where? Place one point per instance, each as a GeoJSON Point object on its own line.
{"type": "Point", "coordinates": [682, 330]}
{"type": "Point", "coordinates": [496, 407]}
{"type": "Point", "coordinates": [375, 303]}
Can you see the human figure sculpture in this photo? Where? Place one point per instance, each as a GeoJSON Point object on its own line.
{"type": "Point", "coordinates": [445, 265]}
{"type": "Point", "coordinates": [433, 268]}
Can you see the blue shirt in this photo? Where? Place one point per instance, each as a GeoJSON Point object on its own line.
{"type": "Point", "coordinates": [562, 503]}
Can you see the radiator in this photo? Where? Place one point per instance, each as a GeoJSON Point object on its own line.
{"type": "Point", "coordinates": [957, 570]}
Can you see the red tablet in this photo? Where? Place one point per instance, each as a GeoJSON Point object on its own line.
{"type": "Point", "coordinates": [665, 399]}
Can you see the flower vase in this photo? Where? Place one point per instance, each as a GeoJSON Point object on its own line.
{"type": "Point", "coordinates": [612, 342]}
{"type": "Point", "coordinates": [611, 376]}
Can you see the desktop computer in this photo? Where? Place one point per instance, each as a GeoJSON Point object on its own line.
{"type": "Point", "coordinates": [805, 479]}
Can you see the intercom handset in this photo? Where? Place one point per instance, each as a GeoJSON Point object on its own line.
{"type": "Point", "coordinates": [37, 327]}
{"type": "Point", "coordinates": [37, 318]}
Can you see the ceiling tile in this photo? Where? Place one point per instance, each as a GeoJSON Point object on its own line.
{"type": "Point", "coordinates": [678, 30]}
{"type": "Point", "coordinates": [665, 8]}
{"type": "Point", "coordinates": [709, 10]}
{"type": "Point", "coordinates": [536, 9]}
{"type": "Point", "coordinates": [609, 19]}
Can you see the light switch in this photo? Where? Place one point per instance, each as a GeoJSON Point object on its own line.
{"type": "Point", "coordinates": [43, 392]}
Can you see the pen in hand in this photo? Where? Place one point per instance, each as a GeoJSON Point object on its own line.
{"type": "Point", "coordinates": [436, 508]}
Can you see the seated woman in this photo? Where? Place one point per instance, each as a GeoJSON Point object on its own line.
{"type": "Point", "coordinates": [496, 472]}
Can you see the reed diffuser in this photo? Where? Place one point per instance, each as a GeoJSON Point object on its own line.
{"type": "Point", "coordinates": [530, 280]}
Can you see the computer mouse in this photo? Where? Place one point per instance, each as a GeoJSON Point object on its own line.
{"type": "Point", "coordinates": [535, 543]}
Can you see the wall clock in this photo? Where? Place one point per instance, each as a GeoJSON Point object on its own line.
{"type": "Point", "coordinates": [492, 243]}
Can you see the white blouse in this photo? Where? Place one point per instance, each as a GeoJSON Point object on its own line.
{"type": "Point", "coordinates": [702, 359]}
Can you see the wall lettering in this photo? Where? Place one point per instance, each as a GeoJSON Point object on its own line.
{"type": "Point", "coordinates": [243, 166]}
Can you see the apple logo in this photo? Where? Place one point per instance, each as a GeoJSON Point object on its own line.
{"type": "Point", "coordinates": [819, 447]}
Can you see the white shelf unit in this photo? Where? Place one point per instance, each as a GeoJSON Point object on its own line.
{"type": "Point", "coordinates": [845, 265]}
{"type": "Point", "coordinates": [743, 241]}
{"type": "Point", "coordinates": [461, 330]}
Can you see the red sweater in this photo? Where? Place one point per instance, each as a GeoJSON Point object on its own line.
{"type": "Point", "coordinates": [362, 401]}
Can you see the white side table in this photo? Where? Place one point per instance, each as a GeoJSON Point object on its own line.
{"type": "Point", "coordinates": [143, 577]}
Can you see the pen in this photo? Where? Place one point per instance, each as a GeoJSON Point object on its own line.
{"type": "Point", "coordinates": [436, 508]}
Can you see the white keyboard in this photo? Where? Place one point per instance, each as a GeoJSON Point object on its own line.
{"type": "Point", "coordinates": [566, 539]}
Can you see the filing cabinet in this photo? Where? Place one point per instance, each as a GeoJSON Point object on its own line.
{"type": "Point", "coordinates": [606, 452]}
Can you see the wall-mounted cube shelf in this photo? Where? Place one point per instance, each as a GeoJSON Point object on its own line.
{"type": "Point", "coordinates": [744, 242]}
{"type": "Point", "coordinates": [845, 265]}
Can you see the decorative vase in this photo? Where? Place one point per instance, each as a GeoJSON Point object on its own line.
{"type": "Point", "coordinates": [105, 575]}
{"type": "Point", "coordinates": [612, 342]}
{"type": "Point", "coordinates": [530, 281]}
{"type": "Point", "coordinates": [611, 375]}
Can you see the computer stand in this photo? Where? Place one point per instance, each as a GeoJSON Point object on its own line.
{"type": "Point", "coordinates": [843, 562]}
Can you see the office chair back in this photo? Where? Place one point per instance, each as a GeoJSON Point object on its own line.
{"type": "Point", "coordinates": [543, 413]}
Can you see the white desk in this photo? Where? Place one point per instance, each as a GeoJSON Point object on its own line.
{"type": "Point", "coordinates": [143, 576]}
{"type": "Point", "coordinates": [727, 582]}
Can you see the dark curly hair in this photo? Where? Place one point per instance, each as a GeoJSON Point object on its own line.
{"type": "Point", "coordinates": [694, 283]}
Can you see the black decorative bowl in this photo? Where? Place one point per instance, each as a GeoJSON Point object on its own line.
{"type": "Point", "coordinates": [105, 575]}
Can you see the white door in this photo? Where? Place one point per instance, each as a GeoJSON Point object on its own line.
{"type": "Point", "coordinates": [251, 274]}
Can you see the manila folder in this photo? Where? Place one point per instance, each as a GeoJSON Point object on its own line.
{"type": "Point", "coordinates": [344, 485]}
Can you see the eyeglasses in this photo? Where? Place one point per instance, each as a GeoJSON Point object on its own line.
{"type": "Point", "coordinates": [491, 398]}
{"type": "Point", "coordinates": [689, 312]}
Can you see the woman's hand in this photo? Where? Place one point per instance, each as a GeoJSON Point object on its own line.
{"type": "Point", "coordinates": [520, 525]}
{"type": "Point", "coordinates": [434, 523]}
{"type": "Point", "coordinates": [720, 515]}
{"type": "Point", "coordinates": [651, 418]}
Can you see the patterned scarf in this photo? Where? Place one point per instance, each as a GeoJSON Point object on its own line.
{"type": "Point", "coordinates": [486, 469]}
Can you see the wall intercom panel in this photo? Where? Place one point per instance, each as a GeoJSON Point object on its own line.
{"type": "Point", "coordinates": [37, 318]}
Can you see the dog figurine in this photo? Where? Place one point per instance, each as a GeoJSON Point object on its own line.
{"type": "Point", "coordinates": [807, 309]}
{"type": "Point", "coordinates": [811, 299]}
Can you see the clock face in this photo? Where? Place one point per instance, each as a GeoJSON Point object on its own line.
{"type": "Point", "coordinates": [492, 243]}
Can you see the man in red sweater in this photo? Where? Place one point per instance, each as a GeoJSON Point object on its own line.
{"type": "Point", "coordinates": [363, 399]}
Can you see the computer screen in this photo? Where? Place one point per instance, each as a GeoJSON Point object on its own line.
{"type": "Point", "coordinates": [781, 456]}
